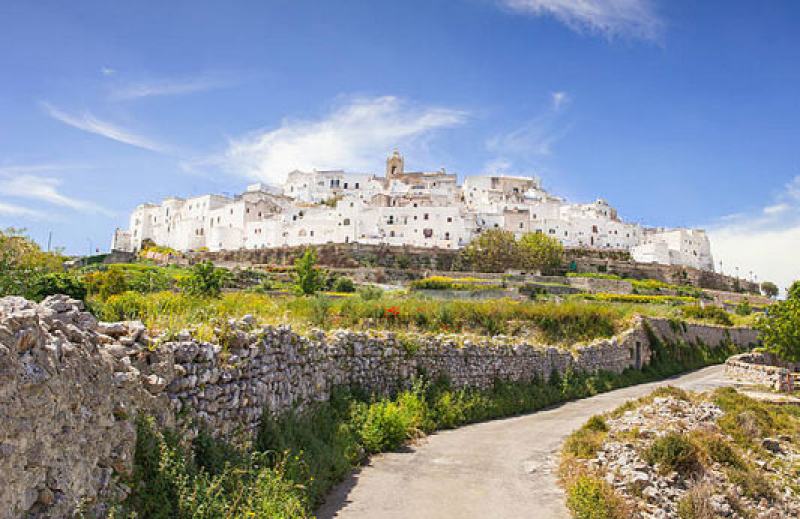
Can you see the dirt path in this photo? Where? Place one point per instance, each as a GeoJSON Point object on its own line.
{"type": "Point", "coordinates": [499, 469]}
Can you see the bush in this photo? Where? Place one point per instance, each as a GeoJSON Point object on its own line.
{"type": "Point", "coordinates": [204, 280]}
{"type": "Point", "coordinates": [52, 284]}
{"type": "Point", "coordinates": [344, 285]}
{"type": "Point", "coordinates": [769, 289]}
{"type": "Point", "coordinates": [370, 293]}
{"type": "Point", "coordinates": [308, 279]}
{"type": "Point", "coordinates": [672, 451]}
{"type": "Point", "coordinates": [106, 284]}
{"type": "Point", "coordinates": [590, 497]}
{"type": "Point", "coordinates": [709, 313]}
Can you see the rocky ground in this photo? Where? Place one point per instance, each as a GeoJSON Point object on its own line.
{"type": "Point", "coordinates": [728, 471]}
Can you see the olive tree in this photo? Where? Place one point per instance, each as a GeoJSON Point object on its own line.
{"type": "Point", "coordinates": [769, 289]}
{"type": "Point", "coordinates": [494, 250]}
{"type": "Point", "coordinates": [540, 252]}
{"type": "Point", "coordinates": [780, 327]}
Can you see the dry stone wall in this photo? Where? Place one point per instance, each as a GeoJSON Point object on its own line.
{"type": "Point", "coordinates": [762, 369]}
{"type": "Point", "coordinates": [70, 386]}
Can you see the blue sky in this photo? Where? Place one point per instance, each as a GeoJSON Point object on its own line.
{"type": "Point", "coordinates": [680, 113]}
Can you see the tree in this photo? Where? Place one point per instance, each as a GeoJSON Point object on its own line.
{"type": "Point", "coordinates": [769, 289]}
{"type": "Point", "coordinates": [308, 278]}
{"type": "Point", "coordinates": [494, 250]}
{"type": "Point", "coordinates": [22, 262]}
{"type": "Point", "coordinates": [780, 327]}
{"type": "Point", "coordinates": [540, 252]}
{"type": "Point", "coordinates": [205, 280]}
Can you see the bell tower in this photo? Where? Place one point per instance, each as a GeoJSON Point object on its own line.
{"type": "Point", "coordinates": [394, 165]}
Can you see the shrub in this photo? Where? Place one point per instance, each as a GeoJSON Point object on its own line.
{"type": "Point", "coordinates": [344, 285]}
{"type": "Point", "coordinates": [697, 502]}
{"type": "Point", "coordinates": [22, 261]}
{"type": "Point", "coordinates": [106, 284]}
{"type": "Point", "coordinates": [370, 293]}
{"type": "Point", "coordinates": [672, 451]}
{"type": "Point", "coordinates": [204, 280]}
{"type": "Point", "coordinates": [308, 279]}
{"type": "Point", "coordinates": [717, 448]}
{"type": "Point", "coordinates": [584, 443]}
{"type": "Point", "coordinates": [709, 313]}
{"type": "Point", "coordinates": [590, 497]}
{"type": "Point", "coordinates": [52, 284]}
{"type": "Point", "coordinates": [753, 484]}
{"type": "Point", "coordinates": [743, 308]}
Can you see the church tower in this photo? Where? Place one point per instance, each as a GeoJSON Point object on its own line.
{"type": "Point", "coordinates": [394, 165]}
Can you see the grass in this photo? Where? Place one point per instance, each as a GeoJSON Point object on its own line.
{"type": "Point", "coordinates": [548, 322]}
{"type": "Point", "coordinates": [732, 445]}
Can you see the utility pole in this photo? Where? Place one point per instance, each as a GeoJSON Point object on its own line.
{"type": "Point", "coordinates": [49, 240]}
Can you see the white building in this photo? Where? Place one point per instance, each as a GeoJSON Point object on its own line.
{"type": "Point", "coordinates": [425, 209]}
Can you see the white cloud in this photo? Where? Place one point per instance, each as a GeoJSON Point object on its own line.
{"type": "Point", "coordinates": [15, 210]}
{"type": "Point", "coordinates": [766, 242]}
{"type": "Point", "coordinates": [45, 189]}
{"type": "Point", "coordinates": [497, 166]}
{"type": "Point", "coordinates": [89, 123]}
{"type": "Point", "coordinates": [559, 99]}
{"type": "Point", "coordinates": [108, 71]}
{"type": "Point", "coordinates": [354, 136]}
{"type": "Point", "coordinates": [165, 87]}
{"type": "Point", "coordinates": [635, 18]}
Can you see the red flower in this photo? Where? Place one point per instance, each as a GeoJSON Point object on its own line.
{"type": "Point", "coordinates": [392, 312]}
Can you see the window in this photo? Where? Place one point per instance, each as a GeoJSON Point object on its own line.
{"type": "Point", "coordinates": [356, 185]}
{"type": "Point", "coordinates": [521, 225]}
{"type": "Point", "coordinates": [425, 217]}
{"type": "Point", "coordinates": [345, 185]}
{"type": "Point", "coordinates": [447, 236]}
{"type": "Point", "coordinates": [346, 221]}
{"type": "Point", "coordinates": [450, 219]}
{"type": "Point", "coordinates": [427, 233]}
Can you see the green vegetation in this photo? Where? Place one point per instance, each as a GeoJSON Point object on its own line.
{"type": "Point", "coordinates": [497, 250]}
{"type": "Point", "coordinates": [540, 252]}
{"type": "Point", "coordinates": [673, 451]}
{"type": "Point", "coordinates": [635, 298]}
{"type": "Point", "coordinates": [733, 441]}
{"type": "Point", "coordinates": [592, 275]}
{"type": "Point", "coordinates": [713, 314]}
{"type": "Point", "coordinates": [299, 456]}
{"type": "Point", "coordinates": [549, 322]}
{"type": "Point", "coordinates": [769, 289]}
{"type": "Point", "coordinates": [589, 497]}
{"type": "Point", "coordinates": [343, 285]}
{"type": "Point", "coordinates": [308, 278]}
{"type": "Point", "coordinates": [56, 283]}
{"type": "Point", "coordinates": [23, 264]}
{"type": "Point", "coordinates": [780, 327]}
{"type": "Point", "coordinates": [204, 280]}
{"type": "Point", "coordinates": [445, 283]}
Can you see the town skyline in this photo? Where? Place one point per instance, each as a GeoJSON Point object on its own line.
{"type": "Point", "coordinates": [679, 114]}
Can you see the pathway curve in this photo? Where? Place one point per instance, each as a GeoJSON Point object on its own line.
{"type": "Point", "coordinates": [499, 469]}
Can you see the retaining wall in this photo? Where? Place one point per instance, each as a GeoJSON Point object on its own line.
{"type": "Point", "coordinates": [70, 386]}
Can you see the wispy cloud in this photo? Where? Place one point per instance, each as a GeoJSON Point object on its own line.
{"type": "Point", "coordinates": [166, 87]}
{"type": "Point", "coordinates": [89, 123]}
{"type": "Point", "coordinates": [637, 18]}
{"type": "Point", "coordinates": [7, 209]}
{"type": "Point", "coordinates": [766, 242]}
{"type": "Point", "coordinates": [532, 141]}
{"type": "Point", "coordinates": [45, 189]}
{"type": "Point", "coordinates": [355, 136]}
{"type": "Point", "coordinates": [559, 99]}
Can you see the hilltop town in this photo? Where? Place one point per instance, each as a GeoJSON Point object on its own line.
{"type": "Point", "coordinates": [422, 209]}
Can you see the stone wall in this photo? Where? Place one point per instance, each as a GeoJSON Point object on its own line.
{"type": "Point", "coordinates": [761, 369]}
{"type": "Point", "coordinates": [584, 260]}
{"type": "Point", "coordinates": [70, 386]}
